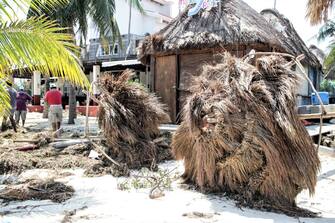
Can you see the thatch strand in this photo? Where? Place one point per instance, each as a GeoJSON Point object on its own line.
{"type": "Point", "coordinates": [318, 10]}
{"type": "Point", "coordinates": [241, 134]}
{"type": "Point", "coordinates": [130, 117]}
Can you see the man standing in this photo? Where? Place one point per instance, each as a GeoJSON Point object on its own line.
{"type": "Point", "coordinates": [54, 99]}
{"type": "Point", "coordinates": [12, 96]}
{"type": "Point", "coordinates": [21, 106]}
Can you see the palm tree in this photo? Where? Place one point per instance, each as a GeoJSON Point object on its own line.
{"type": "Point", "coordinates": [46, 106]}
{"type": "Point", "coordinates": [77, 12]}
{"type": "Point", "coordinates": [317, 10]}
{"type": "Point", "coordinates": [328, 31]}
{"type": "Point", "coordinates": [139, 7]}
{"type": "Point", "coordinates": [35, 43]}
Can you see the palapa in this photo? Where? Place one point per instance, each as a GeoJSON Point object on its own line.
{"type": "Point", "coordinates": [241, 134]}
{"type": "Point", "coordinates": [129, 117]}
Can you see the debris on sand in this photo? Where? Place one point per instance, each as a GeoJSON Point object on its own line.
{"type": "Point", "coordinates": [43, 138]}
{"type": "Point", "coordinates": [129, 117]}
{"type": "Point", "coordinates": [196, 214]}
{"type": "Point", "coordinates": [13, 161]}
{"type": "Point", "coordinates": [158, 181]}
{"type": "Point", "coordinates": [328, 140]}
{"type": "Point", "coordinates": [37, 190]}
{"type": "Point", "coordinates": [241, 135]}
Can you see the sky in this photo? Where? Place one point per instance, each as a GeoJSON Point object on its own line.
{"type": "Point", "coordinates": [294, 10]}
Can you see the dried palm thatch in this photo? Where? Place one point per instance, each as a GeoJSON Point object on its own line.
{"type": "Point", "coordinates": [233, 25]}
{"type": "Point", "coordinates": [317, 10]}
{"type": "Point", "coordinates": [129, 117]}
{"type": "Point", "coordinates": [37, 190]}
{"type": "Point", "coordinates": [240, 133]}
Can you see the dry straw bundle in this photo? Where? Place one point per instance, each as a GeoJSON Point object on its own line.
{"type": "Point", "coordinates": [240, 133]}
{"type": "Point", "coordinates": [130, 117]}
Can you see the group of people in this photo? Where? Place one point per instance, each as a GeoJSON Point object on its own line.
{"type": "Point", "coordinates": [18, 107]}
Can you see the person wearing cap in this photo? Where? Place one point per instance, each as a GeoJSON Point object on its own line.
{"type": "Point", "coordinates": [12, 96]}
{"type": "Point", "coordinates": [54, 99]}
{"type": "Point", "coordinates": [21, 106]}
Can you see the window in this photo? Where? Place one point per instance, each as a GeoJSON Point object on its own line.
{"type": "Point", "coordinates": [137, 43]}
{"type": "Point", "coordinates": [116, 49]}
{"type": "Point", "coordinates": [102, 51]}
{"type": "Point", "coordinates": [111, 50]}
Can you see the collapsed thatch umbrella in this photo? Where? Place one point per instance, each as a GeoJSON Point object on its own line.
{"type": "Point", "coordinates": [240, 133]}
{"type": "Point", "coordinates": [129, 117]}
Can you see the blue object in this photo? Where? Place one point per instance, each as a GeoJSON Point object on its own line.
{"type": "Point", "coordinates": [324, 98]}
{"type": "Point", "coordinates": [196, 8]}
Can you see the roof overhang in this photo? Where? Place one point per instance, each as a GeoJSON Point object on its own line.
{"type": "Point", "coordinates": [120, 63]}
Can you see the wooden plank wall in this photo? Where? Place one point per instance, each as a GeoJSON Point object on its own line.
{"type": "Point", "coordinates": [165, 82]}
{"type": "Point", "coordinates": [173, 75]}
{"type": "Point", "coordinates": [190, 66]}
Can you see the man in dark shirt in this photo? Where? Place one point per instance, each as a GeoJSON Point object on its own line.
{"type": "Point", "coordinates": [12, 96]}
{"type": "Point", "coordinates": [21, 106]}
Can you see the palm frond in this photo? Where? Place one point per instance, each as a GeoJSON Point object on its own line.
{"type": "Point", "coordinates": [330, 59]}
{"type": "Point", "coordinates": [80, 9]}
{"type": "Point", "coordinates": [102, 13]}
{"type": "Point", "coordinates": [11, 8]}
{"type": "Point", "coordinates": [137, 5]}
{"type": "Point", "coordinates": [38, 43]}
{"type": "Point", "coordinates": [318, 10]}
{"type": "Point", "coordinates": [4, 97]}
{"type": "Point", "coordinates": [327, 30]}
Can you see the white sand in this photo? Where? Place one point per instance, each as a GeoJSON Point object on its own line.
{"type": "Point", "coordinates": [97, 199]}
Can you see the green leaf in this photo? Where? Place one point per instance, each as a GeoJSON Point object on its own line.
{"type": "Point", "coordinates": [39, 44]}
{"type": "Point", "coordinates": [327, 30]}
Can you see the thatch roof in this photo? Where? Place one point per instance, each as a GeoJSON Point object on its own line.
{"type": "Point", "coordinates": [235, 23]}
{"type": "Point", "coordinates": [318, 53]}
{"type": "Point", "coordinates": [293, 43]}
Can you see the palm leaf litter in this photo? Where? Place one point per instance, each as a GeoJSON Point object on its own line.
{"type": "Point", "coordinates": [129, 117]}
{"type": "Point", "coordinates": [240, 134]}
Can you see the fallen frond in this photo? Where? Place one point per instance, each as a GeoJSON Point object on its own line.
{"type": "Point", "coordinates": [241, 134]}
{"type": "Point", "coordinates": [129, 117]}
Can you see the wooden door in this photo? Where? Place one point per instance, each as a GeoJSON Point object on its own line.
{"type": "Point", "coordinates": [190, 67]}
{"type": "Point", "coordinates": [165, 82]}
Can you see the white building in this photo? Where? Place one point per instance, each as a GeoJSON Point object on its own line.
{"type": "Point", "coordinates": [157, 14]}
{"type": "Point", "coordinates": [97, 58]}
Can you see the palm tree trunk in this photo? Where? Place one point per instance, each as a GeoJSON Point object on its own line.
{"type": "Point", "coordinates": [72, 96]}
{"type": "Point", "coordinates": [129, 25]}
{"type": "Point", "coordinates": [72, 104]}
{"type": "Point", "coordinates": [46, 106]}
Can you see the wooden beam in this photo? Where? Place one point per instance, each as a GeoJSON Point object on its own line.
{"type": "Point", "coordinates": [316, 115]}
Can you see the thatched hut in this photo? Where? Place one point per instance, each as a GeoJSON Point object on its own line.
{"type": "Point", "coordinates": [178, 52]}
{"type": "Point", "coordinates": [297, 46]}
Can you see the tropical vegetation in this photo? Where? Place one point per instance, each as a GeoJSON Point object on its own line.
{"type": "Point", "coordinates": [318, 10]}
{"type": "Point", "coordinates": [76, 15]}
{"type": "Point", "coordinates": [36, 43]}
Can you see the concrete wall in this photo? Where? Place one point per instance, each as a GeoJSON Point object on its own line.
{"type": "Point", "coordinates": [303, 84]}
{"type": "Point", "coordinates": [157, 15]}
